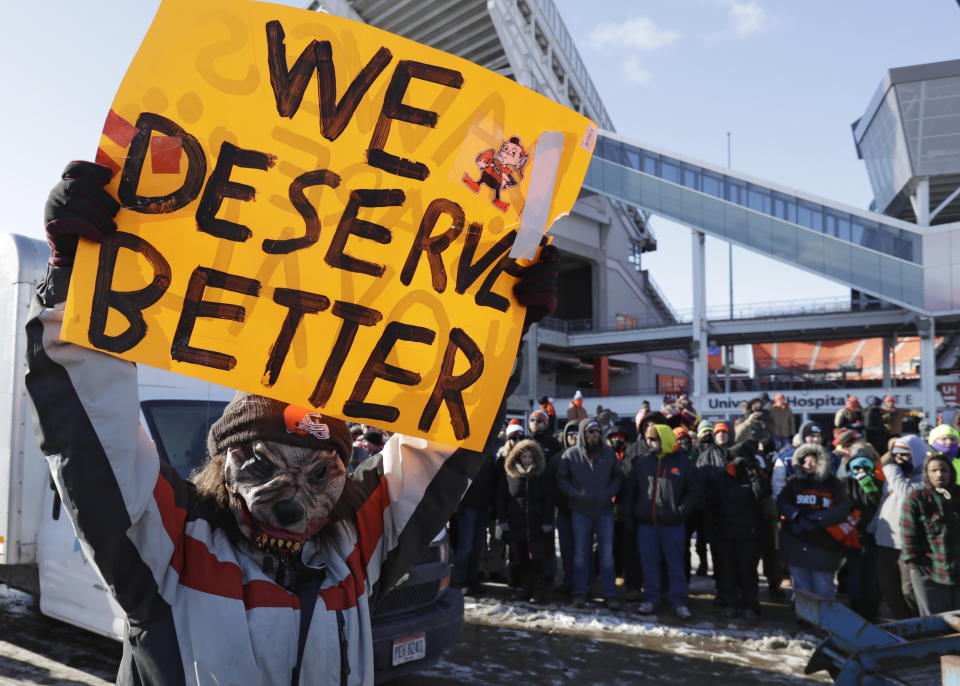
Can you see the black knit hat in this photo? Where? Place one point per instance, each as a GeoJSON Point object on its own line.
{"type": "Point", "coordinates": [250, 417]}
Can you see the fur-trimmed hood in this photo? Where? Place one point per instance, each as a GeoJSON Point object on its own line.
{"type": "Point", "coordinates": [515, 469]}
{"type": "Point", "coordinates": [823, 461]}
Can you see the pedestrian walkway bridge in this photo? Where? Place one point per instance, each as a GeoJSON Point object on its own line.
{"type": "Point", "coordinates": [883, 256]}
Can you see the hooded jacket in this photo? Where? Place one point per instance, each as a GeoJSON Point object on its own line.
{"type": "Point", "coordinates": [886, 524]}
{"type": "Point", "coordinates": [589, 480]}
{"type": "Point", "coordinates": [820, 501]}
{"type": "Point", "coordinates": [525, 498]}
{"type": "Point", "coordinates": [930, 526]}
{"type": "Point", "coordinates": [736, 511]}
{"type": "Point", "coordinates": [201, 606]}
{"type": "Point", "coordinates": [663, 488]}
{"type": "Point", "coordinates": [939, 432]}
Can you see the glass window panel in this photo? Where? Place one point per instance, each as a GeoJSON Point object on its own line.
{"type": "Point", "coordinates": [615, 151]}
{"type": "Point", "coordinates": [604, 148]}
{"type": "Point", "coordinates": [691, 179]}
{"type": "Point", "coordinates": [631, 157]}
{"type": "Point", "coordinates": [837, 260]}
{"type": "Point", "coordinates": [905, 245]}
{"type": "Point", "coordinates": [817, 216]}
{"type": "Point", "coordinates": [779, 208]}
{"type": "Point", "coordinates": [650, 164]}
{"type": "Point", "coordinates": [856, 232]}
{"type": "Point", "coordinates": [735, 192]}
{"type": "Point", "coordinates": [873, 236]}
{"type": "Point", "coordinates": [669, 171]}
{"type": "Point", "coordinates": [831, 223]}
{"type": "Point", "coordinates": [843, 228]}
{"type": "Point", "coordinates": [712, 184]}
{"type": "Point", "coordinates": [758, 199]}
{"type": "Point", "coordinates": [804, 216]}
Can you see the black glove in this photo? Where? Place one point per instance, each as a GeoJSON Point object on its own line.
{"type": "Point", "coordinates": [537, 288]}
{"type": "Point", "coordinates": [79, 206]}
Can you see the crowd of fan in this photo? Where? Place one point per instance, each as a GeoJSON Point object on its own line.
{"type": "Point", "coordinates": [865, 506]}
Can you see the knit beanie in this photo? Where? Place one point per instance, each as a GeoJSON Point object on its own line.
{"type": "Point", "coordinates": [843, 437]}
{"type": "Point", "coordinates": [704, 427]}
{"type": "Point", "coordinates": [721, 426]}
{"type": "Point", "coordinates": [250, 417]}
{"type": "Point", "coordinates": [374, 437]}
{"type": "Point", "coordinates": [808, 429]}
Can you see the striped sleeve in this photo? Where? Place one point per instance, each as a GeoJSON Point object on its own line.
{"type": "Point", "coordinates": [401, 499]}
{"type": "Point", "coordinates": [106, 468]}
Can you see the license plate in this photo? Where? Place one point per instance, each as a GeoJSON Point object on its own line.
{"type": "Point", "coordinates": [409, 649]}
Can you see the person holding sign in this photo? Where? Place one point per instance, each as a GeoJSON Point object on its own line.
{"type": "Point", "coordinates": [265, 567]}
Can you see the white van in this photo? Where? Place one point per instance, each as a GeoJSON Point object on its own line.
{"type": "Point", "coordinates": [40, 553]}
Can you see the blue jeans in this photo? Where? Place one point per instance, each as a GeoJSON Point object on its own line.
{"type": "Point", "coordinates": [565, 535]}
{"type": "Point", "coordinates": [812, 580]}
{"type": "Point", "coordinates": [584, 528]}
{"type": "Point", "coordinates": [669, 542]}
{"type": "Point", "coordinates": [471, 540]}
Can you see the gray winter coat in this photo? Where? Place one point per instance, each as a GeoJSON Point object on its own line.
{"type": "Point", "coordinates": [886, 524]}
{"type": "Point", "coordinates": [589, 484]}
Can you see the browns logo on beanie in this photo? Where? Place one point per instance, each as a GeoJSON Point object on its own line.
{"type": "Point", "coordinates": [250, 417]}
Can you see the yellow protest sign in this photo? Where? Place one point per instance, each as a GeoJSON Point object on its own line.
{"type": "Point", "coordinates": [324, 213]}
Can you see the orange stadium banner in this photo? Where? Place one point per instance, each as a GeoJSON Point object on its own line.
{"type": "Point", "coordinates": [325, 213]}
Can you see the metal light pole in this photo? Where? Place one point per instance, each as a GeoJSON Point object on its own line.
{"type": "Point", "coordinates": [729, 349]}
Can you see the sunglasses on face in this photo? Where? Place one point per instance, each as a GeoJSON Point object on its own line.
{"type": "Point", "coordinates": [592, 431]}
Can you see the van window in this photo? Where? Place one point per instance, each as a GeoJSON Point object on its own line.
{"type": "Point", "coordinates": [179, 428]}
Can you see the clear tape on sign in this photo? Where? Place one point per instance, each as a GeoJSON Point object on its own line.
{"type": "Point", "coordinates": [536, 208]}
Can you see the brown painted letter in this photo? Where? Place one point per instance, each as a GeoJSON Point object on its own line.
{"type": "Point", "coordinates": [219, 186]}
{"type": "Point", "coordinates": [319, 177]}
{"type": "Point", "coordinates": [393, 108]}
{"type": "Point", "coordinates": [334, 116]}
{"type": "Point", "coordinates": [298, 304]}
{"type": "Point", "coordinates": [288, 86]}
{"type": "Point", "coordinates": [195, 306]}
{"type": "Point", "coordinates": [128, 303]}
{"type": "Point", "coordinates": [147, 123]}
{"type": "Point", "coordinates": [449, 388]}
{"type": "Point", "coordinates": [433, 245]}
{"type": "Point", "coordinates": [469, 271]}
{"type": "Point", "coordinates": [349, 224]}
{"type": "Point", "coordinates": [353, 316]}
{"type": "Point", "coordinates": [377, 368]}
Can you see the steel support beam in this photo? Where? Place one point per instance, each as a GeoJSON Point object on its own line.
{"type": "Point", "coordinates": [921, 201]}
{"type": "Point", "coordinates": [700, 359]}
{"type": "Point", "coordinates": [532, 362]}
{"type": "Point", "coordinates": [886, 347]}
{"type": "Point", "coordinates": [928, 367]}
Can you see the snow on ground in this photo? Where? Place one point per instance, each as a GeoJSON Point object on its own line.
{"type": "Point", "coordinates": [770, 648]}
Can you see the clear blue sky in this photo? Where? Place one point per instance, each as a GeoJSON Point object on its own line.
{"type": "Point", "coordinates": [786, 78]}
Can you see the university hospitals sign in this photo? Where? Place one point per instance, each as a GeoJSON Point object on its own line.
{"type": "Point", "coordinates": [811, 401]}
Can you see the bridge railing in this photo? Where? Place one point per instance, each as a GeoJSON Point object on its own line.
{"type": "Point", "coordinates": [759, 310]}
